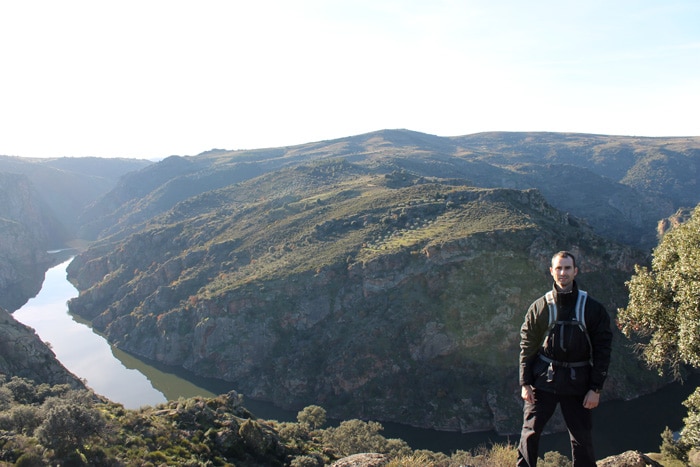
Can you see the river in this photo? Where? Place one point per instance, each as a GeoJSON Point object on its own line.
{"type": "Point", "coordinates": [123, 378]}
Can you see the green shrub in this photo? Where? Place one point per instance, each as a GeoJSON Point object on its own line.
{"type": "Point", "coordinates": [306, 461]}
{"type": "Point", "coordinates": [313, 416]}
{"type": "Point", "coordinates": [672, 449]}
{"type": "Point", "coordinates": [23, 391]}
{"type": "Point", "coordinates": [356, 436]}
{"type": "Point", "coordinates": [67, 426]}
{"type": "Point", "coordinates": [21, 418]}
{"type": "Point", "coordinates": [30, 459]}
{"type": "Point", "coordinates": [554, 459]}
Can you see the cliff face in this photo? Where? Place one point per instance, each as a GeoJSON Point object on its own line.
{"type": "Point", "coordinates": [392, 302]}
{"type": "Point", "coordinates": [23, 354]}
{"type": "Point", "coordinates": [26, 227]}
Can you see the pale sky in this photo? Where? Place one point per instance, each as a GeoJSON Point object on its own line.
{"type": "Point", "coordinates": [153, 78]}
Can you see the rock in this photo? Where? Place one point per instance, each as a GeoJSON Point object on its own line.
{"type": "Point", "coordinates": [629, 459]}
{"type": "Point", "coordinates": [362, 460]}
{"type": "Point", "coordinates": [23, 354]}
{"type": "Point", "coordinates": [25, 235]}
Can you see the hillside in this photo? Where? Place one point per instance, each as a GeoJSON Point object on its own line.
{"type": "Point", "coordinates": [24, 355]}
{"type": "Point", "coordinates": [413, 286]}
{"type": "Point", "coordinates": [621, 185]}
{"type": "Point", "coordinates": [27, 230]}
{"type": "Point", "coordinates": [44, 424]}
{"type": "Point", "coordinates": [68, 185]}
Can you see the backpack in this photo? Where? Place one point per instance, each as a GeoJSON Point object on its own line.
{"type": "Point", "coordinates": [578, 321]}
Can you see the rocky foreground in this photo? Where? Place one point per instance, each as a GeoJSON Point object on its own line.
{"type": "Point", "coordinates": [626, 459]}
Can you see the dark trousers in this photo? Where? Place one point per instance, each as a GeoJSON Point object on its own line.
{"type": "Point", "coordinates": [578, 421]}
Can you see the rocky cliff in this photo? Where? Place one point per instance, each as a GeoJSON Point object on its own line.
{"type": "Point", "coordinates": [392, 299]}
{"type": "Point", "coordinates": [26, 227]}
{"type": "Point", "coordinates": [23, 354]}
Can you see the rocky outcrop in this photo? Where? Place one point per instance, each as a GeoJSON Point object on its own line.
{"type": "Point", "coordinates": [626, 459]}
{"type": "Point", "coordinates": [24, 355]}
{"type": "Point", "coordinates": [26, 228]}
{"type": "Point", "coordinates": [629, 459]}
{"type": "Point", "coordinates": [362, 460]}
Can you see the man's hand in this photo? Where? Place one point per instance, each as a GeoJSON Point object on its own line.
{"type": "Point", "coordinates": [591, 400]}
{"type": "Point", "coordinates": [527, 393]}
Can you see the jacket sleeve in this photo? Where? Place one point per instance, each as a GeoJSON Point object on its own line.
{"type": "Point", "coordinates": [601, 340]}
{"type": "Point", "coordinates": [531, 336]}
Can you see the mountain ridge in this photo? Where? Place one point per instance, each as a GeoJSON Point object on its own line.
{"type": "Point", "coordinates": [638, 205]}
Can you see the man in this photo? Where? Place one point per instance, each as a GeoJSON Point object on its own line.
{"type": "Point", "coordinates": [564, 356]}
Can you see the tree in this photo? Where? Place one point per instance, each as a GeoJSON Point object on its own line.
{"type": "Point", "coordinates": [314, 416]}
{"type": "Point", "coordinates": [67, 426]}
{"type": "Point", "coordinates": [664, 311]}
{"type": "Point", "coordinates": [664, 302]}
{"type": "Point", "coordinates": [355, 436]}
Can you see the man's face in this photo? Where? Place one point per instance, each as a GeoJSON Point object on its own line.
{"type": "Point", "coordinates": [563, 271]}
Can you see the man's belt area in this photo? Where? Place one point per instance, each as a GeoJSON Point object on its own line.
{"type": "Point", "coordinates": [564, 364]}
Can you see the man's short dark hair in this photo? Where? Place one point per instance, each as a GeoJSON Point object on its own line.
{"type": "Point", "coordinates": [564, 254]}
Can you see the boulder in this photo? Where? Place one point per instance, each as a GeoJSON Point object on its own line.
{"type": "Point", "coordinates": [362, 460]}
{"type": "Point", "coordinates": [629, 459]}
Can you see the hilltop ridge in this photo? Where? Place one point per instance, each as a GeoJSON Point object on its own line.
{"type": "Point", "coordinates": [622, 185]}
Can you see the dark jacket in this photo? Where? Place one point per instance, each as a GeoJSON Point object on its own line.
{"type": "Point", "coordinates": [576, 380]}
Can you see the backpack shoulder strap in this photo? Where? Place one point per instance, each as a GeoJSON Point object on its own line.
{"type": "Point", "coordinates": [581, 307]}
{"type": "Point", "coordinates": [581, 318]}
{"type": "Point", "coordinates": [552, 305]}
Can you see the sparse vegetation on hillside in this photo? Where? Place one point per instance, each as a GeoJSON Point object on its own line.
{"type": "Point", "coordinates": [55, 425]}
{"type": "Point", "coordinates": [621, 185]}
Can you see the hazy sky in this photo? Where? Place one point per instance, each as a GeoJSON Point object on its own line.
{"type": "Point", "coordinates": [152, 78]}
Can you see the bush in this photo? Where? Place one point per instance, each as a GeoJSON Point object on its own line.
{"type": "Point", "coordinates": [21, 419]}
{"type": "Point", "coordinates": [672, 449]}
{"type": "Point", "coordinates": [554, 459]}
{"type": "Point", "coordinates": [6, 398]}
{"type": "Point", "coordinates": [30, 459]}
{"type": "Point", "coordinates": [503, 455]}
{"type": "Point", "coordinates": [66, 427]}
{"type": "Point", "coordinates": [22, 390]}
{"type": "Point", "coordinates": [306, 461]}
{"type": "Point", "coordinates": [313, 415]}
{"type": "Point", "coordinates": [356, 436]}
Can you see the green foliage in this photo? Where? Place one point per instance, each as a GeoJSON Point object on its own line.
{"type": "Point", "coordinates": [554, 459]}
{"type": "Point", "coordinates": [81, 429]}
{"type": "Point", "coordinates": [664, 311]}
{"type": "Point", "coordinates": [313, 416]}
{"type": "Point", "coordinates": [306, 461]}
{"type": "Point", "coordinates": [355, 436]}
{"type": "Point", "coordinates": [22, 390]}
{"type": "Point", "coordinates": [66, 427]}
{"type": "Point", "coordinates": [664, 306]}
{"type": "Point", "coordinates": [20, 418]}
{"type": "Point", "coordinates": [690, 434]}
{"type": "Point", "coordinates": [672, 449]}
{"type": "Point", "coordinates": [30, 459]}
